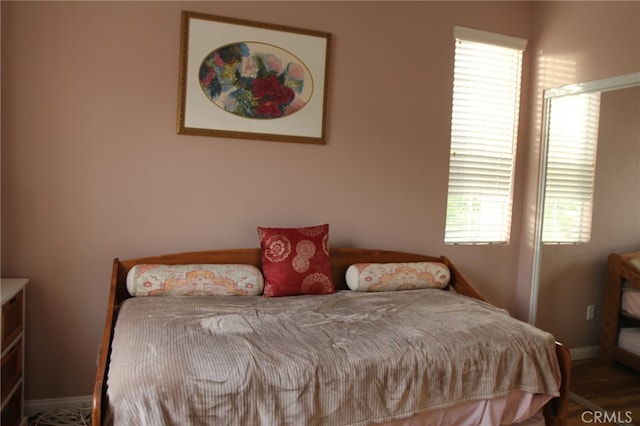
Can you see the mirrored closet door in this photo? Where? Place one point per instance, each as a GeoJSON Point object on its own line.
{"type": "Point", "coordinates": [589, 202]}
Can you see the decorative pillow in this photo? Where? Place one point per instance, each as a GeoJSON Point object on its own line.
{"type": "Point", "coordinates": [194, 280]}
{"type": "Point", "coordinates": [397, 276]}
{"type": "Point", "coordinates": [296, 261]}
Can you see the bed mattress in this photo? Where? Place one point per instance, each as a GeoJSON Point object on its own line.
{"type": "Point", "coordinates": [345, 358]}
{"type": "Point", "coordinates": [631, 300]}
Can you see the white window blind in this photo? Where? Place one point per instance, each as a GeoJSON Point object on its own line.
{"type": "Point", "coordinates": [484, 130]}
{"type": "Point", "coordinates": [571, 159]}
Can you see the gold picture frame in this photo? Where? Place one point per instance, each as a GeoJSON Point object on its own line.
{"type": "Point", "coordinates": [251, 80]}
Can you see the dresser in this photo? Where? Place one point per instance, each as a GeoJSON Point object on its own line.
{"type": "Point", "coordinates": [12, 343]}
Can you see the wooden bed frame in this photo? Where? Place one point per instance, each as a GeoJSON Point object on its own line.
{"type": "Point", "coordinates": [555, 412]}
{"type": "Point", "coordinates": [619, 270]}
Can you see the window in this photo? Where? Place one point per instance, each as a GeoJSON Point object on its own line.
{"type": "Point", "coordinates": [484, 131]}
{"type": "Point", "coordinates": [571, 158]}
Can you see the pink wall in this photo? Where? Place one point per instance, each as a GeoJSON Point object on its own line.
{"type": "Point", "coordinates": [92, 167]}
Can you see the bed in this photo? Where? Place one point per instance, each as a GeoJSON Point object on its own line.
{"type": "Point", "coordinates": [620, 338]}
{"type": "Point", "coordinates": [359, 360]}
{"type": "Point", "coordinates": [629, 336]}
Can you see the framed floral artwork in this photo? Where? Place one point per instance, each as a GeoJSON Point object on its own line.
{"type": "Point", "coordinates": [251, 80]}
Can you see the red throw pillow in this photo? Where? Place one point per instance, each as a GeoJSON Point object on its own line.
{"type": "Point", "coordinates": [296, 261]}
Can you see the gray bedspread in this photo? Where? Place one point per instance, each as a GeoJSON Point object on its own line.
{"type": "Point", "coordinates": [344, 358]}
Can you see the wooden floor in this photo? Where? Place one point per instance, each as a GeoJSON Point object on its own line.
{"type": "Point", "coordinates": [616, 390]}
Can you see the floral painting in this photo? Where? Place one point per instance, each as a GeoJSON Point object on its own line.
{"type": "Point", "coordinates": [246, 79]}
{"type": "Point", "coordinates": [255, 80]}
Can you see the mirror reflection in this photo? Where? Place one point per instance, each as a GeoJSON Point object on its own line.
{"type": "Point", "coordinates": [589, 208]}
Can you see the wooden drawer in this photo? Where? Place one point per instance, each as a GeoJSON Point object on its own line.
{"type": "Point", "coordinates": [12, 412]}
{"type": "Point", "coordinates": [11, 369]}
{"type": "Point", "coordinates": [12, 319]}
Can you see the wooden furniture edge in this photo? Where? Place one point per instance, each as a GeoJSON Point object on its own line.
{"type": "Point", "coordinates": [611, 309]}
{"type": "Point", "coordinates": [555, 411]}
{"type": "Point", "coordinates": [100, 385]}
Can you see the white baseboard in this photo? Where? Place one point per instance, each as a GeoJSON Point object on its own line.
{"type": "Point", "coordinates": [586, 352]}
{"type": "Point", "coordinates": [36, 406]}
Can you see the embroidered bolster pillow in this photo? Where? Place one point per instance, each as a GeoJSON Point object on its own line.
{"type": "Point", "coordinates": [195, 280]}
{"type": "Point", "coordinates": [397, 276]}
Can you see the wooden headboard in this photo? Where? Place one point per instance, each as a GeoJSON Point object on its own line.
{"type": "Point", "coordinates": [341, 259]}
